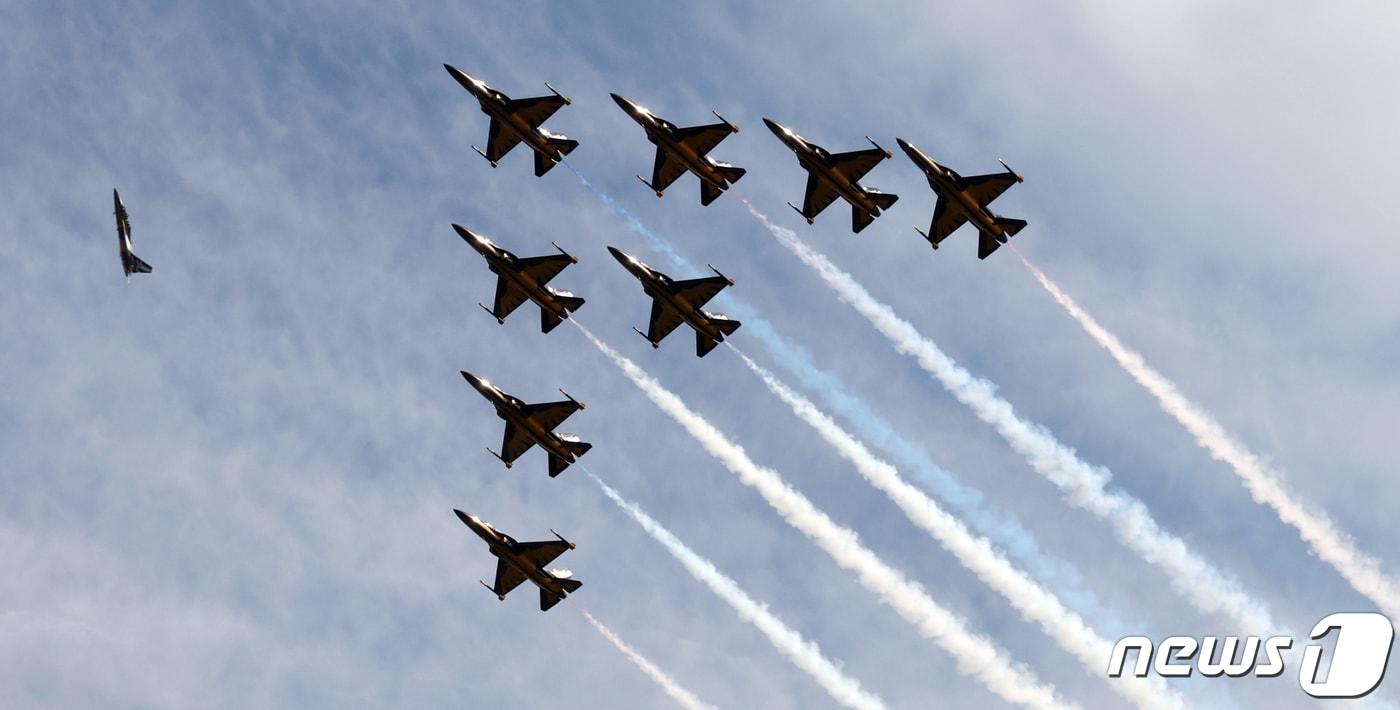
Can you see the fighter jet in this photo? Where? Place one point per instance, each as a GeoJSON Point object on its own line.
{"type": "Point", "coordinates": [531, 424]}
{"type": "Point", "coordinates": [682, 149]}
{"type": "Point", "coordinates": [965, 199]}
{"type": "Point", "coordinates": [832, 176]}
{"type": "Point", "coordinates": [131, 264]}
{"type": "Point", "coordinates": [676, 302]}
{"type": "Point", "coordinates": [516, 120]}
{"type": "Point", "coordinates": [519, 561]}
{"type": "Point", "coordinates": [525, 278]}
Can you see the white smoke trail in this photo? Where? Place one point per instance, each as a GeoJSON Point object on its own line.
{"type": "Point", "coordinates": [976, 655]}
{"type": "Point", "coordinates": [1330, 544]}
{"type": "Point", "coordinates": [683, 697]}
{"type": "Point", "coordinates": [1207, 588]}
{"type": "Point", "coordinates": [803, 653]}
{"type": "Point", "coordinates": [1035, 603]}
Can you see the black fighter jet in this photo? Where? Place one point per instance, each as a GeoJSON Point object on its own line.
{"type": "Point", "coordinates": [522, 279]}
{"type": "Point", "coordinates": [516, 120]}
{"type": "Point", "coordinates": [965, 199]}
{"type": "Point", "coordinates": [830, 176]}
{"type": "Point", "coordinates": [682, 149]}
{"type": "Point", "coordinates": [131, 264]}
{"type": "Point", "coordinates": [519, 561]}
{"type": "Point", "coordinates": [531, 424]}
{"type": "Point", "coordinates": [676, 302]}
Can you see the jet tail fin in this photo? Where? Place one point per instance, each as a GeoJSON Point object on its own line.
{"type": "Point", "coordinates": [704, 343]}
{"type": "Point", "coordinates": [548, 599]}
{"type": "Point", "coordinates": [1011, 226]}
{"type": "Point", "coordinates": [548, 321]}
{"type": "Point", "coordinates": [557, 464]}
{"type": "Point", "coordinates": [860, 219]}
{"type": "Point", "coordinates": [885, 200]}
{"type": "Point", "coordinates": [709, 193]}
{"type": "Point", "coordinates": [544, 163]}
{"type": "Point", "coordinates": [732, 173]}
{"type": "Point", "coordinates": [570, 303]}
{"type": "Point", "coordinates": [986, 244]}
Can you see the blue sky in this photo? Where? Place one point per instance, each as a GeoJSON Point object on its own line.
{"type": "Point", "coordinates": [230, 483]}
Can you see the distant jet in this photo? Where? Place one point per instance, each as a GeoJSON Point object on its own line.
{"type": "Point", "coordinates": [515, 120]}
{"type": "Point", "coordinates": [525, 278]}
{"type": "Point", "coordinates": [531, 424]}
{"type": "Point", "coordinates": [965, 199]}
{"type": "Point", "coordinates": [832, 176]}
{"type": "Point", "coordinates": [676, 302]}
{"type": "Point", "coordinates": [131, 264]}
{"type": "Point", "coordinates": [682, 149]}
{"type": "Point", "coordinates": [519, 561]}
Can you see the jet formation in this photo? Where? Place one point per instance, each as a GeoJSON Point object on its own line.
{"type": "Point", "coordinates": [682, 149]}
{"type": "Point", "coordinates": [131, 264]}
{"type": "Point", "coordinates": [529, 425]}
{"type": "Point", "coordinates": [521, 279]}
{"type": "Point", "coordinates": [679, 150]}
{"type": "Point", "coordinates": [965, 199]}
{"type": "Point", "coordinates": [518, 120]}
{"type": "Point", "coordinates": [519, 561]}
{"type": "Point", "coordinates": [830, 176]}
{"type": "Point", "coordinates": [675, 302]}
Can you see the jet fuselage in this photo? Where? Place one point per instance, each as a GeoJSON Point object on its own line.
{"type": "Point", "coordinates": [497, 105]}
{"type": "Point", "coordinates": [658, 286]}
{"type": "Point", "coordinates": [512, 409]}
{"type": "Point", "coordinates": [945, 182]}
{"type": "Point", "coordinates": [817, 161]}
{"type": "Point", "coordinates": [507, 549]}
{"type": "Point", "coordinates": [502, 263]}
{"type": "Point", "coordinates": [661, 133]}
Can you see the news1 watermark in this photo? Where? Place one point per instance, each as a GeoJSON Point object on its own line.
{"type": "Point", "coordinates": [1354, 668]}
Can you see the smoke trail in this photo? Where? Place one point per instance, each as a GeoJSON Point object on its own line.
{"type": "Point", "coordinates": [1192, 576]}
{"type": "Point", "coordinates": [1036, 604]}
{"type": "Point", "coordinates": [1001, 526]}
{"type": "Point", "coordinates": [975, 654]}
{"type": "Point", "coordinates": [683, 697]}
{"type": "Point", "coordinates": [1330, 544]}
{"type": "Point", "coordinates": [803, 653]}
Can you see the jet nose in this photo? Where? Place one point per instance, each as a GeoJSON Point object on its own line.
{"type": "Point", "coordinates": [459, 75]}
{"type": "Point", "coordinates": [619, 255]}
{"type": "Point", "coordinates": [903, 144]}
{"type": "Point", "coordinates": [773, 126]}
{"type": "Point", "coordinates": [464, 517]}
{"type": "Point", "coordinates": [466, 234]}
{"type": "Point", "coordinates": [471, 379]}
{"type": "Point", "coordinates": [624, 103]}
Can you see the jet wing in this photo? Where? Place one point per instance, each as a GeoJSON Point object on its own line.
{"type": "Point", "coordinates": [820, 195]}
{"type": "Point", "coordinates": [508, 297]}
{"type": "Point", "coordinates": [664, 319]}
{"type": "Point", "coordinates": [703, 139]}
{"type": "Point", "coordinates": [945, 221]}
{"type": "Point", "coordinates": [499, 141]}
{"type": "Point", "coordinates": [666, 170]}
{"type": "Point", "coordinates": [543, 553]}
{"type": "Point", "coordinates": [698, 292]}
{"type": "Point", "coordinates": [514, 443]}
{"type": "Point", "coordinates": [507, 578]}
{"type": "Point", "coordinates": [543, 268]}
{"type": "Point", "coordinates": [855, 164]}
{"type": "Point", "coordinates": [536, 110]}
{"type": "Point", "coordinates": [550, 414]}
{"type": "Point", "coordinates": [985, 188]}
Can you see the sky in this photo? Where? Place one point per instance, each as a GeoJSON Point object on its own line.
{"type": "Point", "coordinates": [230, 482]}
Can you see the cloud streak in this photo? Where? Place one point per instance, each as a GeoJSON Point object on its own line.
{"type": "Point", "coordinates": [976, 655]}
{"type": "Point", "coordinates": [1035, 603]}
{"type": "Point", "coordinates": [1333, 546]}
{"type": "Point", "coordinates": [803, 653]}
{"type": "Point", "coordinates": [1085, 486]}
{"type": "Point", "coordinates": [683, 697]}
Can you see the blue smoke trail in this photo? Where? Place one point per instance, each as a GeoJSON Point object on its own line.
{"type": "Point", "coordinates": [971, 505]}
